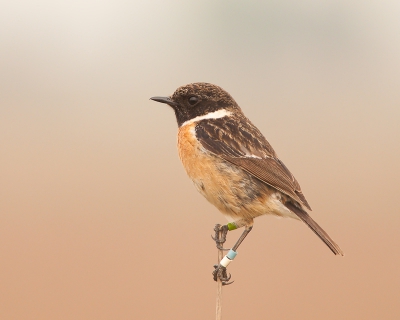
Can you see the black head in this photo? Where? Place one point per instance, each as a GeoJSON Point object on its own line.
{"type": "Point", "coordinates": [198, 99]}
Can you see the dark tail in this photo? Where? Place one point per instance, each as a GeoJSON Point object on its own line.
{"type": "Point", "coordinates": [315, 227]}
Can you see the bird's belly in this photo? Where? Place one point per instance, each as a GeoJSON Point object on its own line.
{"type": "Point", "coordinates": [236, 193]}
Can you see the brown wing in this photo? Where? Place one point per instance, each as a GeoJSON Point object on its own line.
{"type": "Point", "coordinates": [237, 140]}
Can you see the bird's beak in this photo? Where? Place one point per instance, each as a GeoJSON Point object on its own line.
{"type": "Point", "coordinates": [166, 100]}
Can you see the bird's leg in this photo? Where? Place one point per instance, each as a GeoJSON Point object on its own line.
{"type": "Point", "coordinates": [220, 240]}
{"type": "Point", "coordinates": [241, 238]}
{"type": "Point", "coordinates": [220, 269]}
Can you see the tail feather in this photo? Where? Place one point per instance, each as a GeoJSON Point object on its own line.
{"type": "Point", "coordinates": [303, 215]}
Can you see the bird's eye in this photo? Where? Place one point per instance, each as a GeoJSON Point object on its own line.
{"type": "Point", "coordinates": [193, 100]}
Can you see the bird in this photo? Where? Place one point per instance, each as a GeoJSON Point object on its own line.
{"type": "Point", "coordinates": [233, 165]}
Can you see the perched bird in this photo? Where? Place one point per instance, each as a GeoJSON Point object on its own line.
{"type": "Point", "coordinates": [232, 164]}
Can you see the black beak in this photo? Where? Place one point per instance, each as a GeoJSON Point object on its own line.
{"type": "Point", "coordinates": [166, 100]}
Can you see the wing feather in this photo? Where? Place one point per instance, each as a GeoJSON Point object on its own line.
{"type": "Point", "coordinates": [238, 141]}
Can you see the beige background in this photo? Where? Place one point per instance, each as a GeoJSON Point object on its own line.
{"type": "Point", "coordinates": [97, 217]}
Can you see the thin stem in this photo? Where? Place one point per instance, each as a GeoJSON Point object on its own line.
{"type": "Point", "coordinates": [219, 282]}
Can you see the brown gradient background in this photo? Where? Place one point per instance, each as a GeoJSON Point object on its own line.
{"type": "Point", "coordinates": [97, 217]}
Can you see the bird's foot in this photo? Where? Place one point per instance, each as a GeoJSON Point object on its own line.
{"type": "Point", "coordinates": [220, 238]}
{"type": "Point", "coordinates": [221, 274]}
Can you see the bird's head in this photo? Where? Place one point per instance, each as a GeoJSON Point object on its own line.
{"type": "Point", "coordinates": [198, 99]}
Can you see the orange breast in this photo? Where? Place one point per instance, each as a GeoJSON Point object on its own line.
{"type": "Point", "coordinates": [233, 191]}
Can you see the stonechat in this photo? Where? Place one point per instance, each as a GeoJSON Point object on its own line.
{"type": "Point", "coordinates": [233, 166]}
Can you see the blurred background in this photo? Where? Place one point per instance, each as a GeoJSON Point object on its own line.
{"type": "Point", "coordinates": [97, 217]}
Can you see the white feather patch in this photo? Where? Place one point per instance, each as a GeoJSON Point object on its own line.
{"type": "Point", "coordinates": [212, 115]}
{"type": "Point", "coordinates": [252, 156]}
{"type": "Point", "coordinates": [279, 207]}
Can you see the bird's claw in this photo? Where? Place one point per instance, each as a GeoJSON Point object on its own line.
{"type": "Point", "coordinates": [219, 241]}
{"type": "Point", "coordinates": [221, 274]}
